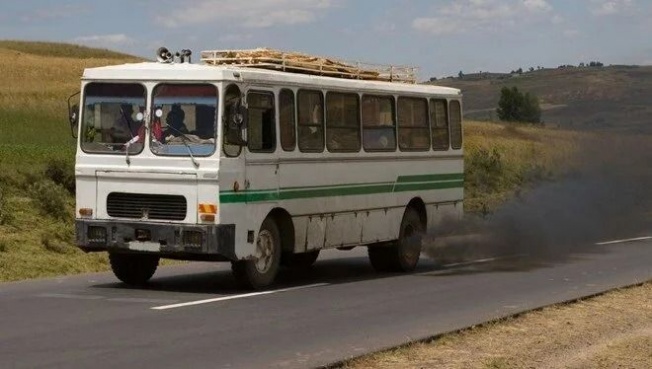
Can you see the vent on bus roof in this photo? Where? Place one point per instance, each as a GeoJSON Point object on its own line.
{"type": "Point", "coordinates": [146, 206]}
{"type": "Point", "coordinates": [309, 64]}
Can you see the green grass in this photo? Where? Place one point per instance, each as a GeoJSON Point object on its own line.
{"type": "Point", "coordinates": [58, 49]}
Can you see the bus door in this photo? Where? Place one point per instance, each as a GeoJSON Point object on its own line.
{"type": "Point", "coordinates": [261, 166]}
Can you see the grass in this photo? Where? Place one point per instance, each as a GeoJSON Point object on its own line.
{"type": "Point", "coordinates": [58, 49]}
{"type": "Point", "coordinates": [36, 206]}
{"type": "Point", "coordinates": [501, 159]}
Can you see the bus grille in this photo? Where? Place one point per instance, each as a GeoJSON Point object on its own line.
{"type": "Point", "coordinates": [146, 206]}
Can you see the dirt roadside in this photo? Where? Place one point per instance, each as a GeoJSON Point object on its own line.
{"type": "Point", "coordinates": [613, 330]}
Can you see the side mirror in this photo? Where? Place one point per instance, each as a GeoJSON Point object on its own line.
{"type": "Point", "coordinates": [73, 115]}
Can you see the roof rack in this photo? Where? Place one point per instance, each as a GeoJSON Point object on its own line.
{"type": "Point", "coordinates": [309, 64]}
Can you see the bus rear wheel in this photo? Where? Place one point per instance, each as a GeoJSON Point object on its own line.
{"type": "Point", "coordinates": [260, 271]}
{"type": "Point", "coordinates": [402, 255]}
{"type": "Point", "coordinates": [133, 269]}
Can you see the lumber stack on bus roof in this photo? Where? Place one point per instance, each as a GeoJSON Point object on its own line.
{"type": "Point", "coordinates": [309, 64]}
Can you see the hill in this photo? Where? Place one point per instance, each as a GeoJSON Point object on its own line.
{"type": "Point", "coordinates": [604, 98]}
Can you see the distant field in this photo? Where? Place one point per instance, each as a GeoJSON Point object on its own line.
{"type": "Point", "coordinates": [33, 106]}
{"type": "Point", "coordinates": [613, 98]}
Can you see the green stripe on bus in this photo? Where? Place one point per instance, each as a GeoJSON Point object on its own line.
{"type": "Point", "coordinates": [430, 177]}
{"type": "Point", "coordinates": [425, 182]}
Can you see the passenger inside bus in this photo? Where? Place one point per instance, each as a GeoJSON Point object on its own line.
{"type": "Point", "coordinates": [175, 121]}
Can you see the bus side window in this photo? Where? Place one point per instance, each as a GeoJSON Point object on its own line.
{"type": "Point", "coordinates": [287, 120]}
{"type": "Point", "coordinates": [311, 121]}
{"type": "Point", "coordinates": [342, 122]}
{"type": "Point", "coordinates": [261, 128]}
{"type": "Point", "coordinates": [413, 130]}
{"type": "Point", "coordinates": [378, 123]}
{"type": "Point", "coordinates": [455, 110]}
{"type": "Point", "coordinates": [439, 124]}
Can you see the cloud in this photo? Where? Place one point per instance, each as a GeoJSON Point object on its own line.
{"type": "Point", "coordinates": [246, 14]}
{"type": "Point", "coordinates": [464, 15]}
{"type": "Point", "coordinates": [610, 7]}
{"type": "Point", "coordinates": [105, 40]}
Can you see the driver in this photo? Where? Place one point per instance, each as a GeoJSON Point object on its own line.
{"type": "Point", "coordinates": [125, 127]}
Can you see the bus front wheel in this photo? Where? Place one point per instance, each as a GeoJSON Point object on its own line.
{"type": "Point", "coordinates": [300, 261]}
{"type": "Point", "coordinates": [262, 269]}
{"type": "Point", "coordinates": [133, 269]}
{"type": "Point", "coordinates": [402, 255]}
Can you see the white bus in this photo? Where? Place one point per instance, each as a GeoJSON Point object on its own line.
{"type": "Point", "coordinates": [259, 167]}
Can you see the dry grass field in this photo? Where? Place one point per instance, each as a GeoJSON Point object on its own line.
{"type": "Point", "coordinates": [609, 331]}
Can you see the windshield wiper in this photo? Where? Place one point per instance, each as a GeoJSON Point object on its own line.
{"type": "Point", "coordinates": [185, 140]}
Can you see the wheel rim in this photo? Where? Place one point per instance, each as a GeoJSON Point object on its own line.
{"type": "Point", "coordinates": [264, 251]}
{"type": "Point", "coordinates": [411, 243]}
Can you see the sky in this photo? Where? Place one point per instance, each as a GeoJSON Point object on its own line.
{"type": "Point", "coordinates": [441, 37]}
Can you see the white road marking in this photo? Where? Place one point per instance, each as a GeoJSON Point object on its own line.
{"type": "Point", "coordinates": [233, 297]}
{"type": "Point", "coordinates": [624, 241]}
{"type": "Point", "coordinates": [478, 261]}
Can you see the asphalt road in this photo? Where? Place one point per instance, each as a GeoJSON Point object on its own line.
{"type": "Point", "coordinates": [192, 316]}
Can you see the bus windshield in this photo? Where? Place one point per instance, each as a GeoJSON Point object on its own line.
{"type": "Point", "coordinates": [111, 119]}
{"type": "Point", "coordinates": [183, 119]}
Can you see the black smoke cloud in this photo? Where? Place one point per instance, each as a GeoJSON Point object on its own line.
{"type": "Point", "coordinates": [607, 195]}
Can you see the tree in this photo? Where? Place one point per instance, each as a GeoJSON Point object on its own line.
{"type": "Point", "coordinates": [514, 106]}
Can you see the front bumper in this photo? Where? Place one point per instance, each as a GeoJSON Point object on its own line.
{"type": "Point", "coordinates": [176, 241]}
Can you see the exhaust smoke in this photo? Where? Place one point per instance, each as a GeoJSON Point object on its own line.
{"type": "Point", "coordinates": [606, 195]}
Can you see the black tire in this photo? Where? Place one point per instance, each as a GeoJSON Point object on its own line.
{"type": "Point", "coordinates": [261, 272]}
{"type": "Point", "coordinates": [402, 255]}
{"type": "Point", "coordinates": [301, 261]}
{"type": "Point", "coordinates": [133, 269]}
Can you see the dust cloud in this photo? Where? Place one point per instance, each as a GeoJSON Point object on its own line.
{"type": "Point", "coordinates": [607, 195]}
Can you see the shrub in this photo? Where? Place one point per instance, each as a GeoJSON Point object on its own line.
{"type": "Point", "coordinates": [58, 238]}
{"type": "Point", "coordinates": [484, 171]}
{"type": "Point", "coordinates": [61, 172]}
{"type": "Point", "coordinates": [514, 106]}
{"type": "Point", "coordinates": [51, 198]}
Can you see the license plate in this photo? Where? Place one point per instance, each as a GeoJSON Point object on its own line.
{"type": "Point", "coordinates": [145, 246]}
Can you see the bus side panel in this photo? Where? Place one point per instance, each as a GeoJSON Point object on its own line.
{"type": "Point", "coordinates": [316, 232]}
{"type": "Point", "coordinates": [381, 225]}
{"type": "Point", "coordinates": [344, 229]}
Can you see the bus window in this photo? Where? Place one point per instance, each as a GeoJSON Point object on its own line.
{"type": "Point", "coordinates": [439, 124]}
{"type": "Point", "coordinates": [261, 130]}
{"type": "Point", "coordinates": [311, 121]}
{"type": "Point", "coordinates": [378, 123]}
{"type": "Point", "coordinates": [287, 118]}
{"type": "Point", "coordinates": [413, 131]}
{"type": "Point", "coordinates": [456, 124]}
{"type": "Point", "coordinates": [342, 122]}
{"type": "Point", "coordinates": [231, 134]}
